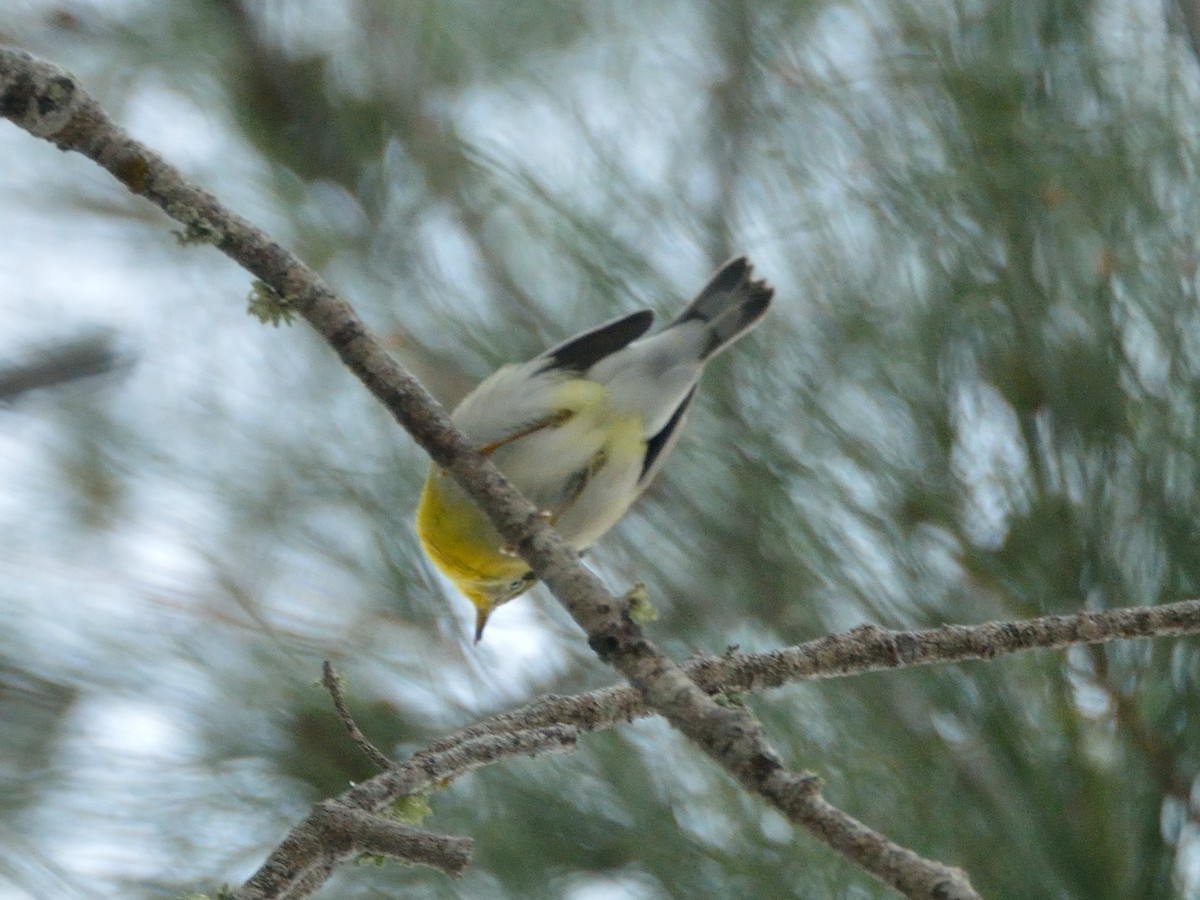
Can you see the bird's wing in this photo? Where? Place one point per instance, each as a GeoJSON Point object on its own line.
{"type": "Point", "coordinates": [658, 447]}
{"type": "Point", "coordinates": [583, 351]}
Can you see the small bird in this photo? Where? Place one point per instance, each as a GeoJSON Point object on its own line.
{"type": "Point", "coordinates": [580, 430]}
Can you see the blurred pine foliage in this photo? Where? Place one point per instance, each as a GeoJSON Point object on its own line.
{"type": "Point", "coordinates": [977, 398]}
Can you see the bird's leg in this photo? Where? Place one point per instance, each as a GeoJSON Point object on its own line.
{"type": "Point", "coordinates": [552, 421]}
{"type": "Point", "coordinates": [595, 464]}
{"type": "Point", "coordinates": [509, 550]}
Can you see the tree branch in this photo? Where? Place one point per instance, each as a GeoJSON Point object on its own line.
{"type": "Point", "coordinates": [333, 683]}
{"type": "Point", "coordinates": [48, 102]}
{"type": "Point", "coordinates": [863, 650]}
{"type": "Point", "coordinates": [551, 722]}
{"type": "Point", "coordinates": [53, 365]}
{"type": "Point", "coordinates": [334, 833]}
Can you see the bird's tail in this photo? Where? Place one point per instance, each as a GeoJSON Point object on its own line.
{"type": "Point", "coordinates": [731, 304]}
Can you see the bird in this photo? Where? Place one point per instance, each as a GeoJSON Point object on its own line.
{"type": "Point", "coordinates": [580, 430]}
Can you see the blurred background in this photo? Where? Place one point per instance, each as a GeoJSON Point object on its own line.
{"type": "Point", "coordinates": [977, 397]}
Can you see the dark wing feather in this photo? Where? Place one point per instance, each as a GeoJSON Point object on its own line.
{"type": "Point", "coordinates": [583, 351]}
{"type": "Point", "coordinates": [659, 446]}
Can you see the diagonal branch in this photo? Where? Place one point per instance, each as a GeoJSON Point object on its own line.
{"type": "Point", "coordinates": [48, 102]}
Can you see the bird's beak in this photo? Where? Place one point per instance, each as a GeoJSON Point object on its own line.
{"type": "Point", "coordinates": [481, 617]}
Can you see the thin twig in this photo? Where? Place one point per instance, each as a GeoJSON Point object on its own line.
{"type": "Point", "coordinates": [333, 683]}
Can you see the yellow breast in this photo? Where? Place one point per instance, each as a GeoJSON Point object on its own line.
{"type": "Point", "coordinates": [460, 540]}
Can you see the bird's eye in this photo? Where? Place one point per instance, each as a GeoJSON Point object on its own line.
{"type": "Point", "coordinates": [518, 585]}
